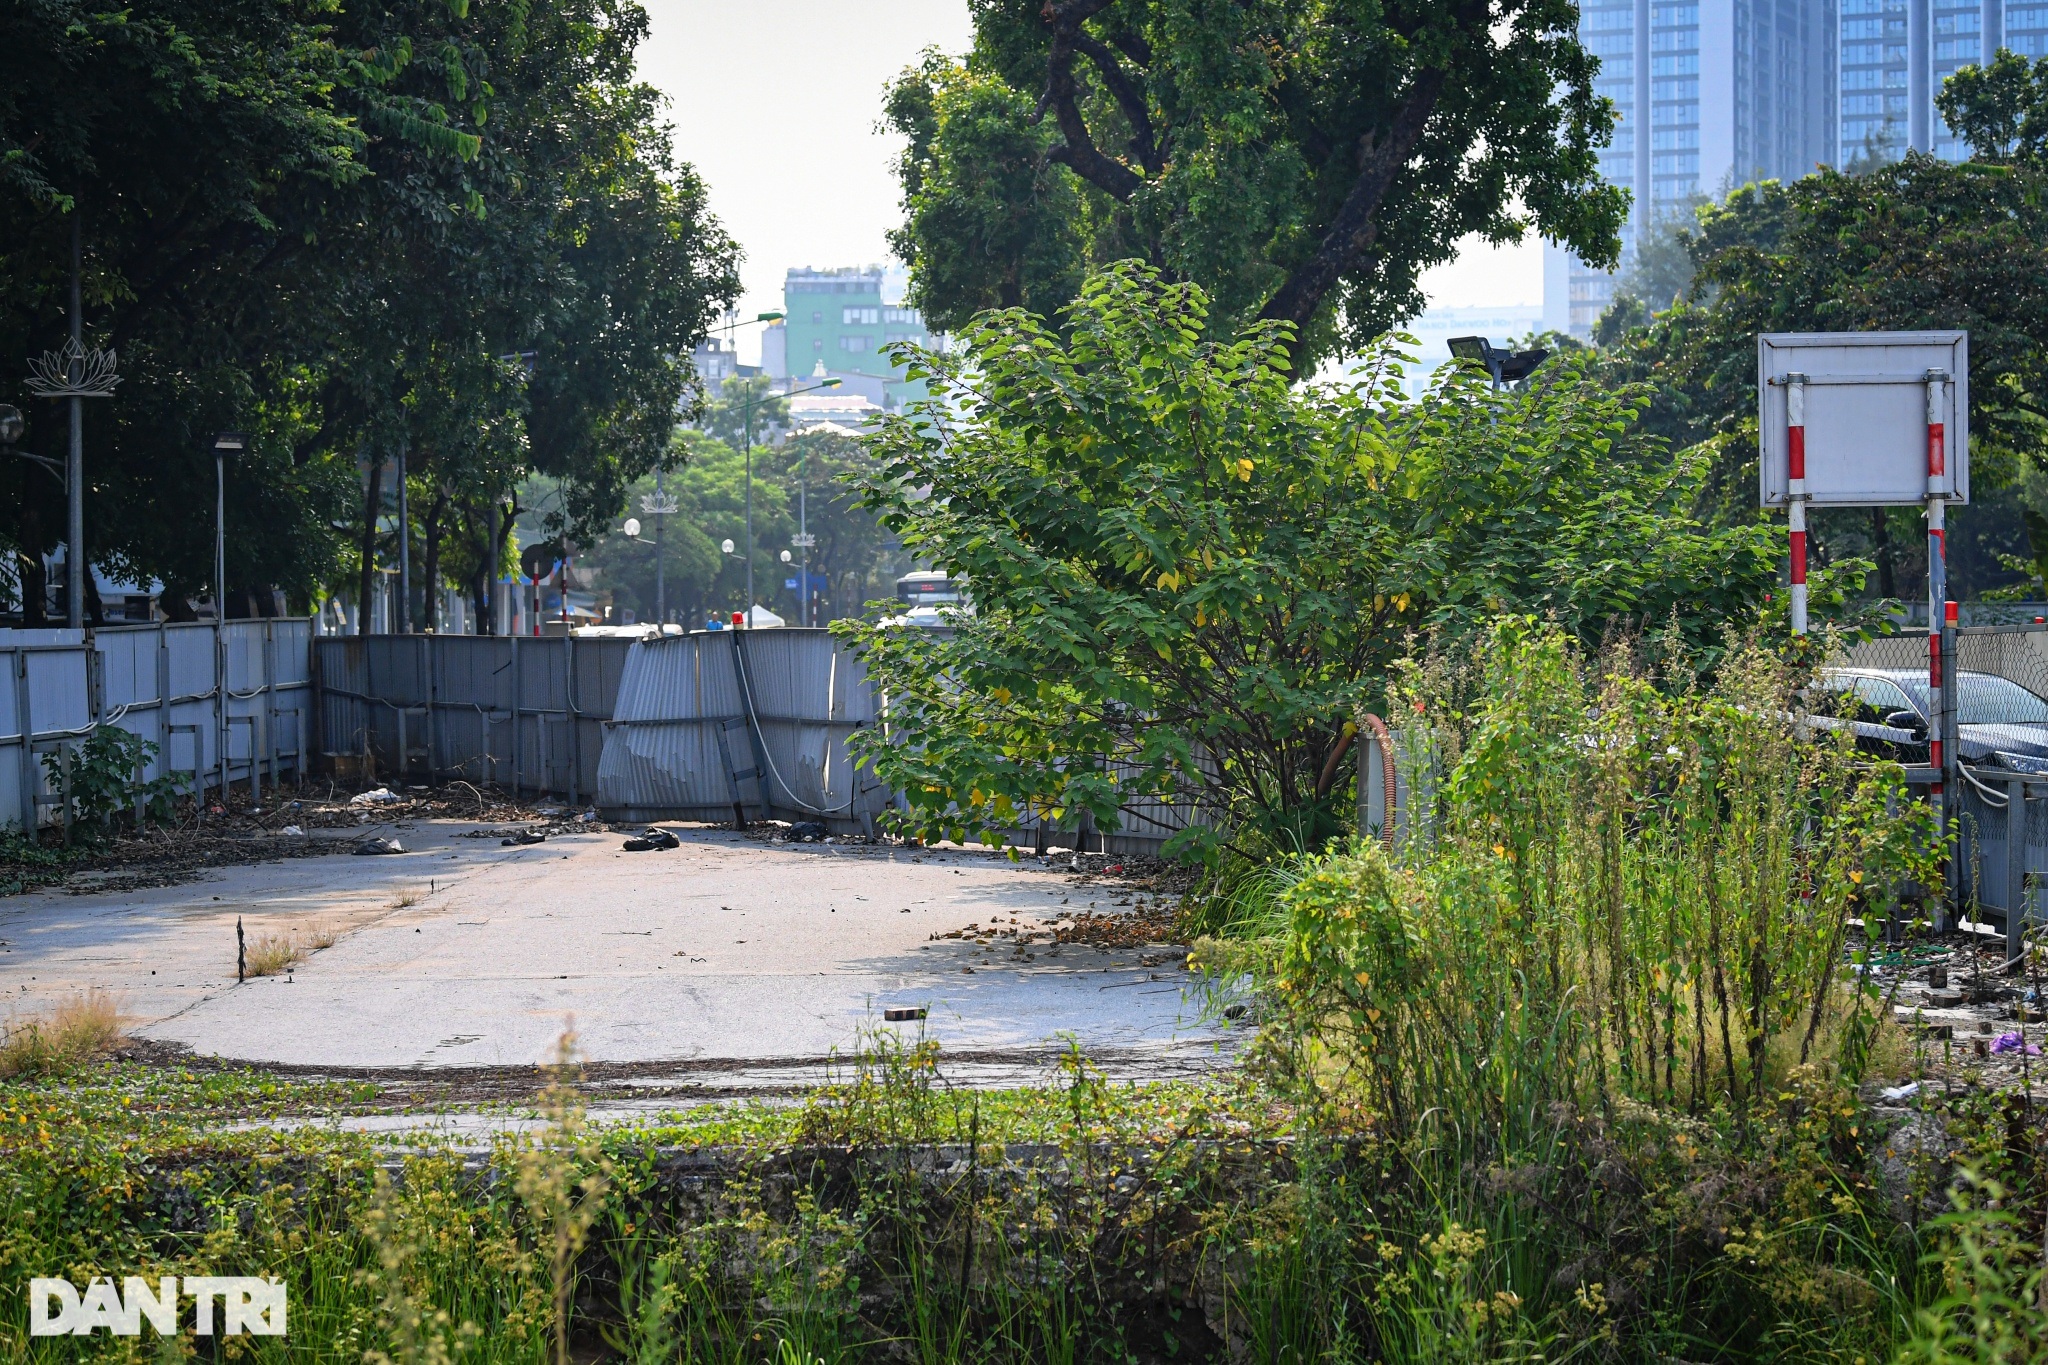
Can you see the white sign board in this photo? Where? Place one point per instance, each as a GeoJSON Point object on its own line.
{"type": "Point", "coordinates": [1866, 415]}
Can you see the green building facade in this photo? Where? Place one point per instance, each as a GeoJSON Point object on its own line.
{"type": "Point", "coordinates": [837, 318]}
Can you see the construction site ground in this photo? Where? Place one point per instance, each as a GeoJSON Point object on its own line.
{"type": "Point", "coordinates": [732, 964]}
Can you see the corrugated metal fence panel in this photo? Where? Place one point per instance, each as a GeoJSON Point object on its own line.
{"type": "Point", "coordinates": [481, 708]}
{"type": "Point", "coordinates": [158, 682]}
{"type": "Point", "coordinates": [757, 719]}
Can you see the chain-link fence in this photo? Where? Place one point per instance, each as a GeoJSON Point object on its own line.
{"type": "Point", "coordinates": [2000, 806]}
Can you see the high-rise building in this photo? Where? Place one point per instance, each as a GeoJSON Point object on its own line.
{"type": "Point", "coordinates": [1712, 94]}
{"type": "Point", "coordinates": [1740, 90]}
{"type": "Point", "coordinates": [836, 318]}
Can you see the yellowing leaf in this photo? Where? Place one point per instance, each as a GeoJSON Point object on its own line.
{"type": "Point", "coordinates": [1244, 470]}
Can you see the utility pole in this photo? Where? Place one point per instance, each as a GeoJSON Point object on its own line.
{"type": "Point", "coordinates": [750, 514]}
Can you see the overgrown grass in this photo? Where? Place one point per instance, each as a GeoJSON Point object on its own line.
{"type": "Point", "coordinates": [1593, 1018]}
{"type": "Point", "coordinates": [269, 954]}
{"type": "Point", "coordinates": [1572, 1074]}
{"type": "Point", "coordinates": [76, 1030]}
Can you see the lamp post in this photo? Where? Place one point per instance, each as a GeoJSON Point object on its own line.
{"type": "Point", "coordinates": [223, 443]}
{"type": "Point", "coordinates": [803, 540]}
{"type": "Point", "coordinates": [661, 506]}
{"type": "Point", "coordinates": [1501, 365]}
{"type": "Point", "coordinates": [74, 465]}
{"type": "Point", "coordinates": [77, 374]}
{"type": "Point", "coordinates": [749, 406]}
{"type": "Point", "coordinates": [404, 550]}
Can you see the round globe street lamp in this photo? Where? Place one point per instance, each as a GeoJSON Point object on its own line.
{"type": "Point", "coordinates": [13, 426]}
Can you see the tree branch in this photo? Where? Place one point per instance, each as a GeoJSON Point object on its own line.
{"type": "Point", "coordinates": [1080, 153]}
{"type": "Point", "coordinates": [1352, 232]}
{"type": "Point", "coordinates": [1128, 99]}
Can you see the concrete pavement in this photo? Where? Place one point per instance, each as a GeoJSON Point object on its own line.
{"type": "Point", "coordinates": [464, 953]}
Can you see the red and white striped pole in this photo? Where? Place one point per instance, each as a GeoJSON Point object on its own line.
{"type": "Point", "coordinates": [1937, 564]}
{"type": "Point", "coordinates": [1795, 458]}
{"type": "Point", "coordinates": [1939, 612]}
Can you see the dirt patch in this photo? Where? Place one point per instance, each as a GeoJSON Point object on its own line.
{"type": "Point", "coordinates": [305, 822]}
{"type": "Point", "coordinates": [1977, 1020]}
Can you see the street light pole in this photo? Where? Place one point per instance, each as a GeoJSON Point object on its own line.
{"type": "Point", "coordinates": [803, 527]}
{"type": "Point", "coordinates": [660, 577]}
{"type": "Point", "coordinates": [223, 442]}
{"type": "Point", "coordinates": [74, 467]}
{"type": "Point", "coordinates": [750, 513]}
{"type": "Point", "coordinates": [404, 550]}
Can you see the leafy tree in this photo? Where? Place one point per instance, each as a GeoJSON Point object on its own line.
{"type": "Point", "coordinates": [727, 417]}
{"type": "Point", "coordinates": [1303, 162]}
{"type": "Point", "coordinates": [856, 557]}
{"type": "Point", "coordinates": [341, 227]}
{"type": "Point", "coordinates": [707, 478]}
{"type": "Point", "coordinates": [1190, 575]}
{"type": "Point", "coordinates": [1916, 244]}
{"type": "Point", "coordinates": [2001, 110]}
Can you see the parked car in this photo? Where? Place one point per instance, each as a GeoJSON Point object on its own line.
{"type": "Point", "coordinates": [1998, 722]}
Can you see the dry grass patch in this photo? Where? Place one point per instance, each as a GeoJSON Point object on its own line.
{"type": "Point", "coordinates": [269, 954]}
{"type": "Point", "coordinates": [76, 1030]}
{"type": "Point", "coordinates": [407, 900]}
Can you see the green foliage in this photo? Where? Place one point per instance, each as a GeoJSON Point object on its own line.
{"type": "Point", "coordinates": [1914, 244]}
{"type": "Point", "coordinates": [1991, 1312]}
{"type": "Point", "coordinates": [1592, 1012]}
{"type": "Point", "coordinates": [1299, 161]}
{"type": "Point", "coordinates": [2001, 110]}
{"type": "Point", "coordinates": [1189, 568]}
{"type": "Point", "coordinates": [105, 777]}
{"type": "Point", "coordinates": [1608, 889]}
{"type": "Point", "coordinates": [338, 227]}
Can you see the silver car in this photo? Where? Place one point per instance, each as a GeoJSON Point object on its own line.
{"type": "Point", "coordinates": [1998, 722]}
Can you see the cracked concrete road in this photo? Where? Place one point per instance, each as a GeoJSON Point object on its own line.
{"type": "Point", "coordinates": [463, 953]}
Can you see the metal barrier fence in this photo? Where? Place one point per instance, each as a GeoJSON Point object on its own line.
{"type": "Point", "coordinates": [712, 726]}
{"type": "Point", "coordinates": [526, 713]}
{"type": "Point", "coordinates": [161, 682]}
{"type": "Point", "coordinates": [742, 724]}
{"type": "Point", "coordinates": [2000, 816]}
{"type": "Point", "coordinates": [718, 725]}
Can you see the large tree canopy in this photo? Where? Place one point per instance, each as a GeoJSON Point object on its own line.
{"type": "Point", "coordinates": [1302, 160]}
{"type": "Point", "coordinates": [351, 230]}
{"type": "Point", "coordinates": [1184, 565]}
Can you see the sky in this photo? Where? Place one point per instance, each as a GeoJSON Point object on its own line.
{"type": "Point", "coordinates": [775, 102]}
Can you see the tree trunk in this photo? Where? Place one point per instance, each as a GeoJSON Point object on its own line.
{"type": "Point", "coordinates": [373, 499]}
{"type": "Point", "coordinates": [1881, 551]}
{"type": "Point", "coordinates": [35, 589]}
{"type": "Point", "coordinates": [430, 584]}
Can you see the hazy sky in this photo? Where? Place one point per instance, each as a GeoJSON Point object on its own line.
{"type": "Point", "coordinates": [776, 101]}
